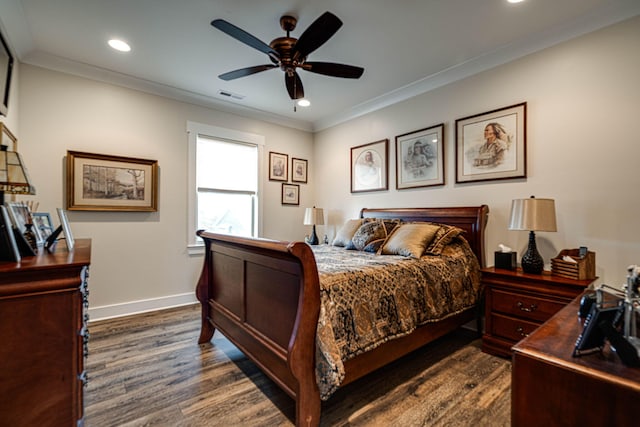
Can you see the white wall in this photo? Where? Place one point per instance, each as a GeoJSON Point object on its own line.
{"type": "Point", "coordinates": [139, 259]}
{"type": "Point", "coordinates": [583, 148]}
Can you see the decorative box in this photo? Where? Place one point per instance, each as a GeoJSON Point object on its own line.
{"type": "Point", "coordinates": [583, 269]}
{"type": "Point", "coordinates": [505, 260]}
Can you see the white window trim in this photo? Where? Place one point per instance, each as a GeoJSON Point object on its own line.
{"type": "Point", "coordinates": [195, 245]}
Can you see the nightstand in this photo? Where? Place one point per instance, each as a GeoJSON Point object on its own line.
{"type": "Point", "coordinates": [516, 303]}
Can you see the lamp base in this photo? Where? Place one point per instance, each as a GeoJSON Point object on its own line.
{"type": "Point", "coordinates": [313, 239]}
{"type": "Point", "coordinates": [532, 262]}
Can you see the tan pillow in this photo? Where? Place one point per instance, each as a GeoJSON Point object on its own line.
{"type": "Point", "coordinates": [410, 239]}
{"type": "Point", "coordinates": [443, 237]}
{"type": "Point", "coordinates": [344, 235]}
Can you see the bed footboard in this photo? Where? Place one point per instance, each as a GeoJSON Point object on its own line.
{"type": "Point", "coordinates": [264, 296]}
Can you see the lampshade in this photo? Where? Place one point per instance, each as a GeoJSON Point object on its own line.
{"type": "Point", "coordinates": [313, 216]}
{"type": "Point", "coordinates": [533, 215]}
{"type": "Point", "coordinates": [14, 178]}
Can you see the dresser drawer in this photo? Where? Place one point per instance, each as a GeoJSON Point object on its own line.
{"type": "Point", "coordinates": [529, 307]}
{"type": "Point", "coordinates": [511, 328]}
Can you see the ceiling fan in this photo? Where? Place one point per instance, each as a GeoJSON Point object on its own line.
{"type": "Point", "coordinates": [288, 53]}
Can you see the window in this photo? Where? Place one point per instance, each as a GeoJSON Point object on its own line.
{"type": "Point", "coordinates": [224, 184]}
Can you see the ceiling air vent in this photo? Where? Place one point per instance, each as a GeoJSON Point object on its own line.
{"type": "Point", "coordinates": [227, 94]}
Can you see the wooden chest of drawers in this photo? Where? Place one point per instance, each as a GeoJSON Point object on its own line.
{"type": "Point", "coordinates": [516, 303]}
{"type": "Point", "coordinates": [43, 316]}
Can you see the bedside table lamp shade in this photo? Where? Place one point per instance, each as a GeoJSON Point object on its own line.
{"type": "Point", "coordinates": [313, 216]}
{"type": "Point", "coordinates": [533, 215]}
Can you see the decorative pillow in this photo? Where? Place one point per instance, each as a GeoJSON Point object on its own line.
{"type": "Point", "coordinates": [443, 237]}
{"type": "Point", "coordinates": [344, 235]}
{"type": "Point", "coordinates": [372, 235]}
{"type": "Point", "coordinates": [410, 239]}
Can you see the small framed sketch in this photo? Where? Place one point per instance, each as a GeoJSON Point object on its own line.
{"type": "Point", "coordinates": [420, 158]}
{"type": "Point", "coordinates": [290, 194]}
{"type": "Point", "coordinates": [278, 164]}
{"type": "Point", "coordinates": [299, 170]}
{"type": "Point", "coordinates": [369, 167]}
{"type": "Point", "coordinates": [492, 145]}
{"type": "Point", "coordinates": [99, 182]}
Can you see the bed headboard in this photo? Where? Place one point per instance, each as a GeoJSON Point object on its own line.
{"type": "Point", "coordinates": [472, 219]}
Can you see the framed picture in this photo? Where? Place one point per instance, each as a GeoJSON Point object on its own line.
{"type": "Point", "coordinates": [42, 222]}
{"type": "Point", "coordinates": [66, 229]}
{"type": "Point", "coordinates": [99, 182]}
{"type": "Point", "coordinates": [19, 213]}
{"type": "Point", "coordinates": [492, 145]}
{"type": "Point", "coordinates": [278, 164]}
{"type": "Point", "coordinates": [298, 170]}
{"type": "Point", "coordinates": [290, 194]}
{"type": "Point", "coordinates": [420, 158]}
{"type": "Point", "coordinates": [369, 167]}
{"type": "Point", "coordinates": [8, 247]}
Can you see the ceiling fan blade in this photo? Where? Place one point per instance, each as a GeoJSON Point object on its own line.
{"type": "Point", "coordinates": [246, 38]}
{"type": "Point", "coordinates": [294, 85]}
{"type": "Point", "coordinates": [243, 72]}
{"type": "Point", "coordinates": [334, 70]}
{"type": "Point", "coordinates": [321, 30]}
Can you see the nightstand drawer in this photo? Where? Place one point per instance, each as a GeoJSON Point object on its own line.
{"type": "Point", "coordinates": [526, 306]}
{"type": "Point", "coordinates": [511, 328]}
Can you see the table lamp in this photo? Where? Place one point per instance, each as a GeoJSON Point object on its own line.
{"type": "Point", "coordinates": [533, 215]}
{"type": "Point", "coordinates": [14, 178]}
{"type": "Point", "coordinates": [313, 216]}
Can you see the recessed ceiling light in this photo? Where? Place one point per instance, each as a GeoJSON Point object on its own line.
{"type": "Point", "coordinates": [304, 102]}
{"type": "Point", "coordinates": [119, 45]}
{"type": "Point", "coordinates": [515, 1]}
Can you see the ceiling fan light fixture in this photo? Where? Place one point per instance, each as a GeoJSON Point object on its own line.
{"type": "Point", "coordinates": [119, 45]}
{"type": "Point", "coordinates": [304, 102]}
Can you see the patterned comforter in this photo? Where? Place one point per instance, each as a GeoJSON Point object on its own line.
{"type": "Point", "coordinates": [368, 299]}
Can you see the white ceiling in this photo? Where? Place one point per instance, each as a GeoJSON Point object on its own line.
{"type": "Point", "coordinates": [407, 47]}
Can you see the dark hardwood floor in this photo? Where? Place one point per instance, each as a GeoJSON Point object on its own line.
{"type": "Point", "coordinates": [148, 370]}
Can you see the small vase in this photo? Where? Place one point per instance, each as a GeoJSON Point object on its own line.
{"type": "Point", "coordinates": [30, 237]}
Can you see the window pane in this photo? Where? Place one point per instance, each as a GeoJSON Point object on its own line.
{"type": "Point", "coordinates": [226, 165]}
{"type": "Point", "coordinates": [226, 213]}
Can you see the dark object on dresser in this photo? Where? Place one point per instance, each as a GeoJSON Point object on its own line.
{"type": "Point", "coordinates": [43, 301]}
{"type": "Point", "coordinates": [264, 296]}
{"type": "Point", "coordinates": [505, 260]}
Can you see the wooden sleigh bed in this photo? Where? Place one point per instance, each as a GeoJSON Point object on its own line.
{"type": "Point", "coordinates": [265, 297]}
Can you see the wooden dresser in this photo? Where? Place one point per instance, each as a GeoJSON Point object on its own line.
{"type": "Point", "coordinates": [43, 337]}
{"type": "Point", "coordinates": [551, 388]}
{"type": "Point", "coordinates": [516, 303]}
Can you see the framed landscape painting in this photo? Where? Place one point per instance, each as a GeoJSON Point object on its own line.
{"type": "Point", "coordinates": [99, 182]}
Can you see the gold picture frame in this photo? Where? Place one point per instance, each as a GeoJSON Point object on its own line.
{"type": "Point", "coordinates": [100, 182]}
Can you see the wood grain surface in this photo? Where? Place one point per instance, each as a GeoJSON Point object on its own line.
{"type": "Point", "coordinates": [148, 370]}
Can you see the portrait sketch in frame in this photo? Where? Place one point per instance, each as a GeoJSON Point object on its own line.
{"type": "Point", "coordinates": [298, 170]}
{"type": "Point", "coordinates": [492, 145]}
{"type": "Point", "coordinates": [290, 194]}
{"type": "Point", "coordinates": [369, 167]}
{"type": "Point", "coordinates": [278, 165]}
{"type": "Point", "coordinates": [100, 182]}
{"type": "Point", "coordinates": [420, 158]}
{"type": "Point", "coordinates": [42, 222]}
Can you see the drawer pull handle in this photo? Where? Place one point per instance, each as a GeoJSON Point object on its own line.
{"type": "Point", "coordinates": [521, 332]}
{"type": "Point", "coordinates": [529, 309]}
